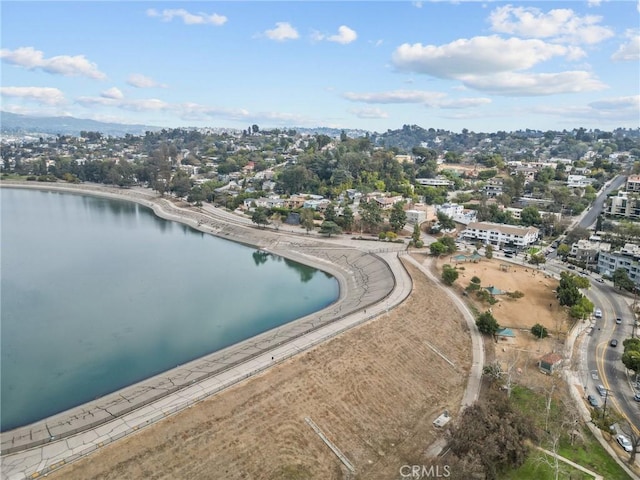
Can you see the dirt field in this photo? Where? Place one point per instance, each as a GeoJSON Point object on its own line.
{"type": "Point", "coordinates": [374, 391]}
{"type": "Point", "coordinates": [539, 305]}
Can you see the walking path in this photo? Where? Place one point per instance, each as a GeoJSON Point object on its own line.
{"type": "Point", "coordinates": [573, 464]}
{"type": "Point", "coordinates": [375, 281]}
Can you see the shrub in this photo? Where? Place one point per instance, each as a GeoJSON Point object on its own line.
{"type": "Point", "coordinates": [539, 331]}
{"type": "Point", "coordinates": [516, 294]}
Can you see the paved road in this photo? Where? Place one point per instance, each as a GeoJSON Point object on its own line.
{"type": "Point", "coordinates": [602, 360]}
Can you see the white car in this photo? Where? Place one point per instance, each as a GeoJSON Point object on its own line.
{"type": "Point", "coordinates": [624, 443]}
{"type": "Point", "coordinates": [598, 313]}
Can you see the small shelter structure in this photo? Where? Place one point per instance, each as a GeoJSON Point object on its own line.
{"type": "Point", "coordinates": [550, 362]}
{"type": "Point", "coordinates": [505, 335]}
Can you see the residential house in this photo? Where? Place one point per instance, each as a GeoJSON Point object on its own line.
{"type": "Point", "coordinates": [633, 183]}
{"type": "Point", "coordinates": [493, 188]}
{"type": "Point", "coordinates": [439, 181]}
{"type": "Point", "coordinates": [550, 362]}
{"type": "Point", "coordinates": [416, 216]}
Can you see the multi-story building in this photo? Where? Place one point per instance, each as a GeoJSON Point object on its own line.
{"type": "Point", "coordinates": [500, 235]}
{"type": "Point", "coordinates": [435, 182]}
{"type": "Point", "coordinates": [625, 204]}
{"type": "Point", "coordinates": [627, 258]}
{"type": "Point", "coordinates": [416, 216]}
{"type": "Point", "coordinates": [588, 251]}
{"type": "Point", "coordinates": [493, 188]}
{"type": "Point", "coordinates": [633, 183]}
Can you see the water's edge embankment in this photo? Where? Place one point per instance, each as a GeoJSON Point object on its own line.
{"type": "Point", "coordinates": [364, 279]}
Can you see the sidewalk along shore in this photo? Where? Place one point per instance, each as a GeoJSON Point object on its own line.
{"type": "Point", "coordinates": [365, 279]}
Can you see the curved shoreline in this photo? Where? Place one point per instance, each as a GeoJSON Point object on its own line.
{"type": "Point", "coordinates": [365, 279]}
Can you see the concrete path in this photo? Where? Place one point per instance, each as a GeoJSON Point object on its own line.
{"type": "Point", "coordinates": [573, 464]}
{"type": "Point", "coordinates": [377, 281]}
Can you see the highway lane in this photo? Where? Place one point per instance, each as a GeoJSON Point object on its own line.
{"type": "Point", "coordinates": [603, 360]}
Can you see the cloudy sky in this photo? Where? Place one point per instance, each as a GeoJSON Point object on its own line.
{"type": "Point", "coordinates": [375, 65]}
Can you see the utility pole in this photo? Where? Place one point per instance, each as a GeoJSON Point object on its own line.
{"type": "Point", "coordinates": [604, 409]}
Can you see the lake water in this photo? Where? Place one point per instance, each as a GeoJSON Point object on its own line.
{"type": "Point", "coordinates": [98, 294]}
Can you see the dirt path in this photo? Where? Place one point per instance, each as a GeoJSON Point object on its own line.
{"type": "Point", "coordinates": [374, 391]}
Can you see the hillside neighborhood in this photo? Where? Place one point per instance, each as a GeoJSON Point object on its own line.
{"type": "Point", "coordinates": [510, 190]}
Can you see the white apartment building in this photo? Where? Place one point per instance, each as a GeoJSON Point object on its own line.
{"type": "Point", "coordinates": [499, 235]}
{"type": "Point", "coordinates": [450, 209]}
{"type": "Point", "coordinates": [579, 181]}
{"type": "Point", "coordinates": [633, 183]}
{"type": "Point", "coordinates": [416, 216]}
{"type": "Point", "coordinates": [435, 182]}
{"type": "Point", "coordinates": [627, 258]}
{"type": "Point", "coordinates": [493, 188]}
{"type": "Point", "coordinates": [625, 204]}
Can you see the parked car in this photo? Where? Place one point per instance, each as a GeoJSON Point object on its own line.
{"type": "Point", "coordinates": [601, 390]}
{"type": "Point", "coordinates": [636, 397]}
{"type": "Point", "coordinates": [592, 401]}
{"type": "Point", "coordinates": [624, 443]}
{"type": "Point", "coordinates": [618, 320]}
{"type": "Point", "coordinates": [601, 280]}
{"type": "Point", "coordinates": [571, 267]}
{"type": "Point", "coordinates": [614, 343]}
{"type": "Point", "coordinates": [598, 313]}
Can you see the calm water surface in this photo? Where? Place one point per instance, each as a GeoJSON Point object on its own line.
{"type": "Point", "coordinates": [98, 294]}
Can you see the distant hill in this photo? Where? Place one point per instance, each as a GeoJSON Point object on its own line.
{"type": "Point", "coordinates": [11, 123]}
{"type": "Point", "coordinates": [331, 132]}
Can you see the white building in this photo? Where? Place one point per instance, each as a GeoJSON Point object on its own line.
{"type": "Point", "coordinates": [450, 209]}
{"type": "Point", "coordinates": [435, 182]}
{"type": "Point", "coordinates": [627, 258]}
{"type": "Point", "coordinates": [578, 181]}
{"type": "Point", "coordinates": [416, 216]}
{"type": "Point", "coordinates": [633, 183]}
{"type": "Point", "coordinates": [625, 204]}
{"type": "Point", "coordinates": [587, 251]}
{"type": "Point", "coordinates": [500, 235]}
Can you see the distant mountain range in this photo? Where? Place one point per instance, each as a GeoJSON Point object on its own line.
{"type": "Point", "coordinates": [12, 123]}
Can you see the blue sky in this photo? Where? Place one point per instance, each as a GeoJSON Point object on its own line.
{"type": "Point", "coordinates": [485, 66]}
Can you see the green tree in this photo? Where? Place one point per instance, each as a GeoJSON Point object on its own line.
{"type": "Point", "coordinates": [437, 248]}
{"type": "Point", "coordinates": [537, 258]}
{"type": "Point", "coordinates": [449, 274]}
{"type": "Point", "coordinates": [347, 218]}
{"type": "Point", "coordinates": [416, 235]}
{"type": "Point", "coordinates": [539, 331]}
{"type": "Point", "coordinates": [487, 323]}
{"type": "Point", "coordinates": [306, 219]}
{"type": "Point", "coordinates": [563, 251]}
{"type": "Point", "coordinates": [370, 215]}
{"type": "Point", "coordinates": [582, 308]}
{"type": "Point", "coordinates": [449, 243]}
{"type": "Point", "coordinates": [329, 228]}
{"type": "Point", "coordinates": [398, 217]}
{"type": "Point", "coordinates": [567, 291]}
{"type": "Point", "coordinates": [621, 279]}
{"type": "Point", "coordinates": [530, 216]}
{"type": "Point", "coordinates": [488, 251]}
{"type": "Point", "coordinates": [330, 213]}
{"type": "Point", "coordinates": [445, 221]}
{"type": "Point", "coordinates": [631, 360]}
{"type": "Point", "coordinates": [260, 217]}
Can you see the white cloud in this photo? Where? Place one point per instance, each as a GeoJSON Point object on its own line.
{"type": "Point", "coordinates": [41, 95]}
{"type": "Point", "coordinates": [70, 66]}
{"type": "Point", "coordinates": [611, 110]}
{"type": "Point", "coordinates": [368, 113]}
{"type": "Point", "coordinates": [631, 102]}
{"type": "Point", "coordinates": [464, 103]}
{"type": "Point", "coordinates": [283, 31]}
{"type": "Point", "coordinates": [141, 81]}
{"type": "Point", "coordinates": [594, 3]}
{"type": "Point", "coordinates": [562, 25]}
{"type": "Point", "coordinates": [629, 51]}
{"type": "Point", "coordinates": [344, 36]}
{"type": "Point", "coordinates": [140, 105]}
{"type": "Point", "coordinates": [478, 55]}
{"type": "Point", "coordinates": [397, 96]}
{"type": "Point", "coordinates": [417, 4]}
{"type": "Point", "coordinates": [113, 93]}
{"type": "Point", "coordinates": [518, 84]}
{"type": "Point", "coordinates": [188, 18]}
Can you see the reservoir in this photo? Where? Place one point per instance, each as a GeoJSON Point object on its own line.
{"type": "Point", "coordinates": [98, 294]}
